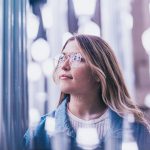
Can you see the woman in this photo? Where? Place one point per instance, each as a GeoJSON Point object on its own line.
{"type": "Point", "coordinates": [93, 95]}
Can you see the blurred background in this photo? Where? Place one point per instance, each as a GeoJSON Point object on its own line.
{"type": "Point", "coordinates": [32, 32]}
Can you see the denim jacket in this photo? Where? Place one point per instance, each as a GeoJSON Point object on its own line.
{"type": "Point", "coordinates": [39, 139]}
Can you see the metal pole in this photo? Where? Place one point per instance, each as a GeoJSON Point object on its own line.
{"type": "Point", "coordinates": [14, 76]}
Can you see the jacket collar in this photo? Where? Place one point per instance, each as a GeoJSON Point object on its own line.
{"type": "Point", "coordinates": [62, 119]}
{"type": "Point", "coordinates": [63, 124]}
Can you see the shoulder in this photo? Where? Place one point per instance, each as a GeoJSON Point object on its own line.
{"type": "Point", "coordinates": [42, 121]}
{"type": "Point", "coordinates": [139, 131]}
{"type": "Point", "coordinates": [119, 127]}
{"type": "Point", "coordinates": [141, 135]}
{"type": "Point", "coordinates": [51, 114]}
{"type": "Point", "coordinates": [37, 132]}
{"type": "Point", "coordinates": [118, 124]}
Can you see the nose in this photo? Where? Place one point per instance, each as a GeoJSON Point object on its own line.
{"type": "Point", "coordinates": [66, 65]}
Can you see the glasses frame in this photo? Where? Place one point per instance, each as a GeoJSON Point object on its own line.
{"type": "Point", "coordinates": [74, 59]}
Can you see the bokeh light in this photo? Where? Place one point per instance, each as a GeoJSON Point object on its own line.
{"type": "Point", "coordinates": [48, 67]}
{"type": "Point", "coordinates": [129, 145]}
{"type": "Point", "coordinates": [81, 9]}
{"type": "Point", "coordinates": [41, 96]}
{"type": "Point", "coordinates": [66, 36]}
{"type": "Point", "coordinates": [47, 16]}
{"type": "Point", "coordinates": [34, 72]}
{"type": "Point", "coordinates": [34, 116]}
{"type": "Point", "coordinates": [87, 138]}
{"type": "Point", "coordinates": [147, 100]}
{"type": "Point", "coordinates": [40, 50]}
{"type": "Point", "coordinates": [89, 28]}
{"type": "Point", "coordinates": [50, 125]}
{"type": "Point", "coordinates": [32, 25]}
{"type": "Point", "coordinates": [146, 40]}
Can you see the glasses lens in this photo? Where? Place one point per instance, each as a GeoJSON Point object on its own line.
{"type": "Point", "coordinates": [58, 60]}
{"type": "Point", "coordinates": [75, 59]}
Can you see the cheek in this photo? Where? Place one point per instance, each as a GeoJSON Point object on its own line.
{"type": "Point", "coordinates": [82, 76]}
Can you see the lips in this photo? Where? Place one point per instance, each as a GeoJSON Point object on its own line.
{"type": "Point", "coordinates": [64, 76]}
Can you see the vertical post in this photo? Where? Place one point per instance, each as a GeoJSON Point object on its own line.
{"type": "Point", "coordinates": [1, 130]}
{"type": "Point", "coordinates": [14, 76]}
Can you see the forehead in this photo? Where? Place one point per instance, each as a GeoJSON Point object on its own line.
{"type": "Point", "coordinates": [72, 47]}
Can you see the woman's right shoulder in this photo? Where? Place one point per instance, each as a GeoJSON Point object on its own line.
{"type": "Point", "coordinates": [36, 130]}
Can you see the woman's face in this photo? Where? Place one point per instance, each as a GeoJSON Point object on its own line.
{"type": "Point", "coordinates": [74, 74]}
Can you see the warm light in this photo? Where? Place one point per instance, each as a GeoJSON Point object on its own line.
{"type": "Point", "coordinates": [147, 100]}
{"type": "Point", "coordinates": [48, 67]}
{"type": "Point", "coordinates": [40, 50]}
{"type": "Point", "coordinates": [32, 25]}
{"type": "Point", "coordinates": [87, 138]}
{"type": "Point", "coordinates": [89, 28]}
{"type": "Point", "coordinates": [50, 125]}
{"type": "Point", "coordinates": [84, 7]}
{"type": "Point", "coordinates": [47, 16]}
{"type": "Point", "coordinates": [146, 40]}
{"type": "Point", "coordinates": [34, 71]}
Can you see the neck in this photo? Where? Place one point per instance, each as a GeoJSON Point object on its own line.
{"type": "Point", "coordinates": [87, 106]}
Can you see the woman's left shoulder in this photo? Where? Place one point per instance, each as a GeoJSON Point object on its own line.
{"type": "Point", "coordinates": [140, 128]}
{"type": "Point", "coordinates": [142, 135]}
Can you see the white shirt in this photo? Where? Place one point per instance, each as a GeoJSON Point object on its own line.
{"type": "Point", "coordinates": [101, 124]}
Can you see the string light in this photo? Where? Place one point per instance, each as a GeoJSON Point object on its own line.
{"type": "Point", "coordinates": [87, 138]}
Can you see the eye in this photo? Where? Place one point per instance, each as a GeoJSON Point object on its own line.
{"type": "Point", "coordinates": [76, 57]}
{"type": "Point", "coordinates": [61, 58]}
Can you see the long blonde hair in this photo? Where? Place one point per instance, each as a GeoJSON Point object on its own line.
{"type": "Point", "coordinates": [104, 66]}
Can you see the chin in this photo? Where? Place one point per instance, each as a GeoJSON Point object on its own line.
{"type": "Point", "coordinates": [67, 90]}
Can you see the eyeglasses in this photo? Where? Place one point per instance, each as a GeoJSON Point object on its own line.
{"type": "Point", "coordinates": [74, 59]}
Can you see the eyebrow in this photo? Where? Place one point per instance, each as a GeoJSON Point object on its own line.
{"type": "Point", "coordinates": [63, 53]}
{"type": "Point", "coordinates": [68, 53]}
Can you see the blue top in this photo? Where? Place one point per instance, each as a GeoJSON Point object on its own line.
{"type": "Point", "coordinates": [38, 138]}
